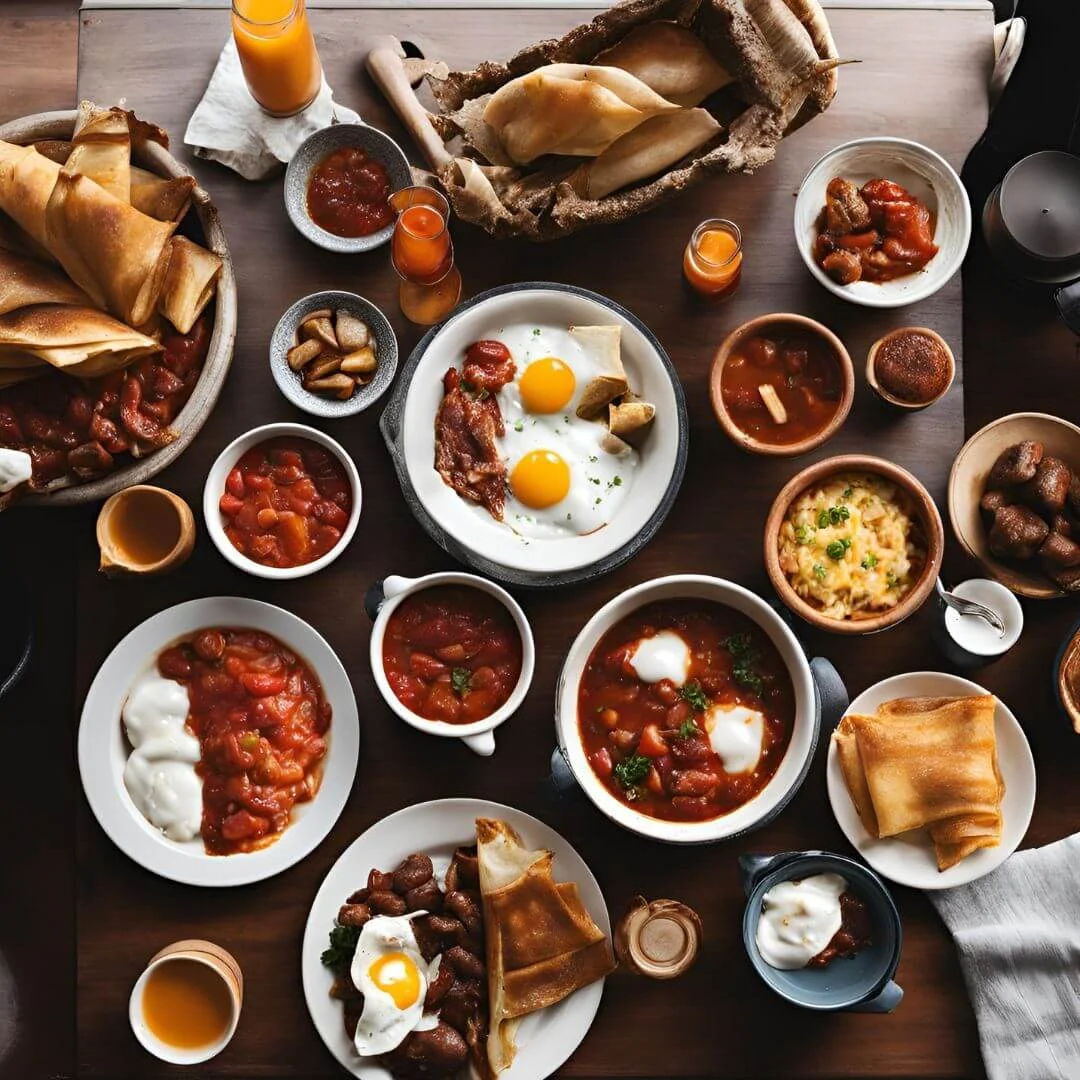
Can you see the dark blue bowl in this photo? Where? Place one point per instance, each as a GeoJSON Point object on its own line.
{"type": "Point", "coordinates": [862, 983]}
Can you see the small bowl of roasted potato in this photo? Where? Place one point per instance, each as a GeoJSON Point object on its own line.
{"type": "Point", "coordinates": [333, 354]}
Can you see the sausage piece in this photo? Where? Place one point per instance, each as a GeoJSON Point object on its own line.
{"type": "Point", "coordinates": [1059, 552]}
{"type": "Point", "coordinates": [440, 1051]}
{"type": "Point", "coordinates": [1049, 488]}
{"type": "Point", "coordinates": [412, 873]}
{"type": "Point", "coordinates": [465, 908]}
{"type": "Point", "coordinates": [426, 897]}
{"type": "Point", "coordinates": [1016, 464]}
{"type": "Point", "coordinates": [1017, 533]}
{"type": "Point", "coordinates": [386, 903]}
{"type": "Point", "coordinates": [463, 962]}
{"type": "Point", "coordinates": [354, 914]}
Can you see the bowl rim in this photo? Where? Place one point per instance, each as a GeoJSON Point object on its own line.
{"type": "Point", "coordinates": [916, 294]}
{"type": "Point", "coordinates": [474, 581]}
{"type": "Point", "coordinates": [297, 209]}
{"type": "Point", "coordinates": [294, 391]}
{"type": "Point", "coordinates": [892, 399]}
{"type": "Point", "coordinates": [998, 571]}
{"type": "Point", "coordinates": [807, 713]}
{"type": "Point", "coordinates": [931, 521]}
{"type": "Point", "coordinates": [214, 486]}
{"type": "Point", "coordinates": [748, 442]}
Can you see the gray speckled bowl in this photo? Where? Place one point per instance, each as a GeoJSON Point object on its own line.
{"type": "Point", "coordinates": [311, 153]}
{"type": "Point", "coordinates": [284, 337]}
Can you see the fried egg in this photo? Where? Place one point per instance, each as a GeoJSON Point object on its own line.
{"type": "Point", "coordinates": [389, 971]}
{"type": "Point", "coordinates": [562, 481]}
{"type": "Point", "coordinates": [736, 734]}
{"type": "Point", "coordinates": [663, 656]}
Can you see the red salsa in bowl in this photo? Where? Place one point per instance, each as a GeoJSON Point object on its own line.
{"type": "Point", "coordinates": [348, 194]}
{"type": "Point", "coordinates": [685, 709]}
{"type": "Point", "coordinates": [452, 653]}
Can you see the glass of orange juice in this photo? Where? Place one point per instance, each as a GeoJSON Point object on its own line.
{"type": "Point", "coordinates": [277, 54]}
{"type": "Point", "coordinates": [422, 253]}
{"type": "Point", "coordinates": [712, 262]}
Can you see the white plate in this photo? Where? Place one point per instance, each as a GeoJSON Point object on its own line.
{"type": "Point", "coordinates": [471, 525]}
{"type": "Point", "coordinates": [924, 173]}
{"type": "Point", "coordinates": [103, 751]}
{"type": "Point", "coordinates": [545, 1039]}
{"type": "Point", "coordinates": [909, 860]}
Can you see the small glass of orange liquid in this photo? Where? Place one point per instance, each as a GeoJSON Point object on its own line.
{"type": "Point", "coordinates": [277, 54]}
{"type": "Point", "coordinates": [423, 255]}
{"type": "Point", "coordinates": [712, 262]}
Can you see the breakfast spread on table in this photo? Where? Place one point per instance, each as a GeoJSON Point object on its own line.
{"type": "Point", "coordinates": [540, 435]}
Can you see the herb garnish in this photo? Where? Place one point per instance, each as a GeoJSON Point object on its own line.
{"type": "Point", "coordinates": [869, 561]}
{"type": "Point", "coordinates": [460, 679]}
{"type": "Point", "coordinates": [847, 492]}
{"type": "Point", "coordinates": [890, 580]}
{"type": "Point", "coordinates": [836, 549]}
{"type": "Point", "coordinates": [804, 534]}
{"type": "Point", "coordinates": [630, 772]}
{"type": "Point", "coordinates": [519, 425]}
{"type": "Point", "coordinates": [689, 729]}
{"type": "Point", "coordinates": [744, 656]}
{"type": "Point", "coordinates": [343, 941]}
{"type": "Point", "coordinates": [833, 516]}
{"type": "Point", "coordinates": [820, 571]}
{"type": "Point", "coordinates": [694, 696]}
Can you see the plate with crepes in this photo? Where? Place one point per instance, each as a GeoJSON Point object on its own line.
{"type": "Point", "coordinates": [515, 852]}
{"type": "Point", "coordinates": [942, 774]}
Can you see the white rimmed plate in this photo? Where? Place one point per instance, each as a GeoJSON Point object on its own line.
{"type": "Point", "coordinates": [468, 532]}
{"type": "Point", "coordinates": [545, 1039]}
{"type": "Point", "coordinates": [909, 859]}
{"type": "Point", "coordinates": [103, 750]}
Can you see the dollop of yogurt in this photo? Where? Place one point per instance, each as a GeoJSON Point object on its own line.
{"type": "Point", "coordinates": [160, 773]}
{"type": "Point", "coordinates": [735, 734]}
{"type": "Point", "coordinates": [799, 919]}
{"type": "Point", "coordinates": [15, 468]}
{"type": "Point", "coordinates": [663, 656]}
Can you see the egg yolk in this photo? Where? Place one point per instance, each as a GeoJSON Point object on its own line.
{"type": "Point", "coordinates": [547, 385]}
{"type": "Point", "coordinates": [396, 975]}
{"type": "Point", "coordinates": [540, 479]}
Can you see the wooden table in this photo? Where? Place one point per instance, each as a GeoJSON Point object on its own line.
{"type": "Point", "coordinates": [725, 1019]}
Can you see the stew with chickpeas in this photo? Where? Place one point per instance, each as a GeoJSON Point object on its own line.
{"type": "Point", "coordinates": [658, 745]}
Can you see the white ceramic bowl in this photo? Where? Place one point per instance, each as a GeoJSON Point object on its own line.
{"type": "Point", "coordinates": [924, 173]}
{"type": "Point", "coordinates": [386, 596]}
{"type": "Point", "coordinates": [808, 708]}
{"type": "Point", "coordinates": [215, 488]}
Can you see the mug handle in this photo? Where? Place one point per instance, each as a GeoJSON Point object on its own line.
{"type": "Point", "coordinates": [833, 697]}
{"type": "Point", "coordinates": [754, 865]}
{"type": "Point", "coordinates": [482, 744]}
{"type": "Point", "coordinates": [382, 590]}
{"type": "Point", "coordinates": [891, 995]}
{"type": "Point", "coordinates": [561, 779]}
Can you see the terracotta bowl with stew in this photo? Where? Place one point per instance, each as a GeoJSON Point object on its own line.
{"type": "Point", "coordinates": [451, 653]}
{"type": "Point", "coordinates": [317, 500]}
{"type": "Point", "coordinates": [781, 385]}
{"type": "Point", "coordinates": [842, 556]}
{"type": "Point", "coordinates": [688, 712]}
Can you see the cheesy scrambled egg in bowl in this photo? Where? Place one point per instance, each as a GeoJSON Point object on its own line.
{"type": "Point", "coordinates": [851, 546]}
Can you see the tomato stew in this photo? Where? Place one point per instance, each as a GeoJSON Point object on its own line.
{"type": "Point", "coordinates": [649, 743]}
{"type": "Point", "coordinates": [287, 502]}
{"type": "Point", "coordinates": [348, 194]}
{"type": "Point", "coordinates": [261, 719]}
{"type": "Point", "coordinates": [855, 933]}
{"type": "Point", "coordinates": [452, 653]}
{"type": "Point", "coordinates": [805, 374]}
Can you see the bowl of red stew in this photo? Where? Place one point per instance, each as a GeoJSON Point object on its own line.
{"type": "Point", "coordinates": [338, 185]}
{"type": "Point", "coordinates": [781, 385]}
{"type": "Point", "coordinates": [882, 222]}
{"type": "Point", "coordinates": [452, 654]}
{"type": "Point", "coordinates": [282, 501]}
{"type": "Point", "coordinates": [687, 710]}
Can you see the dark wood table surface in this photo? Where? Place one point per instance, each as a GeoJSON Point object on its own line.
{"type": "Point", "coordinates": [79, 920]}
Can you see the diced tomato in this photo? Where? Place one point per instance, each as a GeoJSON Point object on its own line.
{"type": "Point", "coordinates": [650, 743]}
{"type": "Point", "coordinates": [262, 684]}
{"type": "Point", "coordinates": [601, 762]}
{"type": "Point", "coordinates": [234, 484]}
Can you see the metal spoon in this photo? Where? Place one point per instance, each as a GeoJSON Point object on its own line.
{"type": "Point", "coordinates": [969, 607]}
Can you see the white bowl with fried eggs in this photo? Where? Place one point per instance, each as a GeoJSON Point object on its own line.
{"type": "Point", "coordinates": [611, 505]}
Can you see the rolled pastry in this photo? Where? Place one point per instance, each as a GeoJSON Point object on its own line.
{"type": "Point", "coordinates": [166, 200]}
{"type": "Point", "coordinates": [101, 150]}
{"type": "Point", "coordinates": [24, 282]}
{"type": "Point", "coordinates": [190, 283]}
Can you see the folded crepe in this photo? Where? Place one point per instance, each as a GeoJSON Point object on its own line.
{"type": "Point", "coordinates": [25, 281]}
{"type": "Point", "coordinates": [166, 200]}
{"type": "Point", "coordinates": [190, 283]}
{"type": "Point", "coordinates": [541, 943]}
{"type": "Point", "coordinates": [603, 345]}
{"type": "Point", "coordinates": [101, 149]}
{"type": "Point", "coordinates": [575, 109]}
{"type": "Point", "coordinates": [27, 179]}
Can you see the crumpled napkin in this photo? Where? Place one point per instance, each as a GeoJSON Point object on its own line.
{"type": "Point", "coordinates": [1018, 934]}
{"type": "Point", "coordinates": [229, 127]}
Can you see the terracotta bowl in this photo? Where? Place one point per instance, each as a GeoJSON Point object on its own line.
{"type": "Point", "coordinates": [762, 324]}
{"type": "Point", "coordinates": [929, 519]}
{"type": "Point", "coordinates": [968, 479]}
{"type": "Point", "coordinates": [892, 399]}
{"type": "Point", "coordinates": [67, 491]}
{"type": "Point", "coordinates": [1067, 677]}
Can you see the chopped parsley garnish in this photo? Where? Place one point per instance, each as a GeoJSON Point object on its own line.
{"type": "Point", "coordinates": [536, 332]}
{"type": "Point", "coordinates": [630, 772]}
{"type": "Point", "coordinates": [847, 492]}
{"type": "Point", "coordinates": [343, 941]}
{"type": "Point", "coordinates": [744, 656]}
{"type": "Point", "coordinates": [597, 501]}
{"type": "Point", "coordinates": [689, 729]}
{"type": "Point", "coordinates": [833, 516]}
{"type": "Point", "coordinates": [869, 561]}
{"type": "Point", "coordinates": [594, 480]}
{"type": "Point", "coordinates": [836, 549]}
{"type": "Point", "coordinates": [820, 571]}
{"type": "Point", "coordinates": [519, 425]}
{"type": "Point", "coordinates": [568, 517]}
{"type": "Point", "coordinates": [593, 458]}
{"type": "Point", "coordinates": [616, 481]}
{"type": "Point", "coordinates": [891, 580]}
{"type": "Point", "coordinates": [460, 679]}
{"type": "Point", "coordinates": [804, 534]}
{"type": "Point", "coordinates": [694, 696]}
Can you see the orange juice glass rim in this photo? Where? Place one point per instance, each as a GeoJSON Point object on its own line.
{"type": "Point", "coordinates": [403, 221]}
{"type": "Point", "coordinates": [716, 225]}
{"type": "Point", "coordinates": [419, 195]}
{"type": "Point", "coordinates": [295, 8]}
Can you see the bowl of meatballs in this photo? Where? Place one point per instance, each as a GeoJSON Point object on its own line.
{"type": "Point", "coordinates": [1014, 503]}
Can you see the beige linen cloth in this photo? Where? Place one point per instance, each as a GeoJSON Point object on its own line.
{"type": "Point", "coordinates": [1018, 934]}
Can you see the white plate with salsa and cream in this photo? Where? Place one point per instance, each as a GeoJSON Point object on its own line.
{"type": "Point", "coordinates": [219, 741]}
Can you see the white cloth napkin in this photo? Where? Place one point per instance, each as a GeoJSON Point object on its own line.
{"type": "Point", "coordinates": [1018, 934]}
{"type": "Point", "coordinates": [228, 126]}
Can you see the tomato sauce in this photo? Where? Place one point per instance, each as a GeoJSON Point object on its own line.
{"type": "Point", "coordinates": [76, 427]}
{"type": "Point", "coordinates": [649, 742]}
{"type": "Point", "coordinates": [804, 372]}
{"type": "Point", "coordinates": [855, 933]}
{"type": "Point", "coordinates": [261, 719]}
{"type": "Point", "coordinates": [348, 192]}
{"type": "Point", "coordinates": [287, 502]}
{"type": "Point", "coordinates": [452, 653]}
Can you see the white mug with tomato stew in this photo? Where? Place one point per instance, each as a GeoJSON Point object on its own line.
{"type": "Point", "coordinates": [452, 654]}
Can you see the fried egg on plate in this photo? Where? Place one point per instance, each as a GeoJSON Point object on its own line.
{"type": "Point", "coordinates": [389, 971]}
{"type": "Point", "coordinates": [562, 481]}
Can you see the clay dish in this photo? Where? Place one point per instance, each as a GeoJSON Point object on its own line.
{"type": "Point", "coordinates": [115, 560]}
{"type": "Point", "coordinates": [892, 399]}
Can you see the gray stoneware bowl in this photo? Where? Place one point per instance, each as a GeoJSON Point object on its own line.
{"type": "Point", "coordinates": [284, 337]}
{"type": "Point", "coordinates": [312, 151]}
{"type": "Point", "coordinates": [861, 983]}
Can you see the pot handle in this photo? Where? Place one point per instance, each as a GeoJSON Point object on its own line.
{"type": "Point", "coordinates": [382, 590]}
{"type": "Point", "coordinates": [891, 995]}
{"type": "Point", "coordinates": [561, 779]}
{"type": "Point", "coordinates": [833, 697]}
{"type": "Point", "coordinates": [753, 866]}
{"type": "Point", "coordinates": [1067, 301]}
{"type": "Point", "coordinates": [482, 744]}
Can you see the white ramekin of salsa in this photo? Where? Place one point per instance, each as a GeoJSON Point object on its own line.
{"type": "Point", "coordinates": [452, 654]}
{"type": "Point", "coordinates": [282, 501]}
